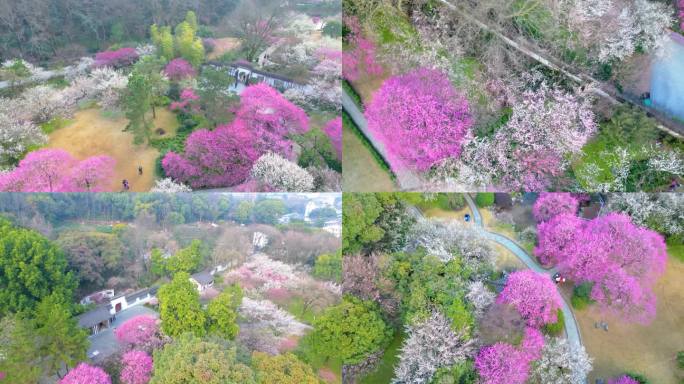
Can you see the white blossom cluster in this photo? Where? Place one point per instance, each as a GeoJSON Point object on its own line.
{"type": "Point", "coordinates": [431, 345]}
{"type": "Point", "coordinates": [561, 363]}
{"type": "Point", "coordinates": [281, 174]}
{"type": "Point", "coordinates": [480, 297]}
{"type": "Point", "coordinates": [266, 273]}
{"type": "Point", "coordinates": [169, 186]}
{"type": "Point", "coordinates": [16, 137]}
{"type": "Point", "coordinates": [265, 314]}
{"type": "Point", "coordinates": [666, 210]}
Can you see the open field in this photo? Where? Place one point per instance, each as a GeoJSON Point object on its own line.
{"type": "Point", "coordinates": [92, 134]}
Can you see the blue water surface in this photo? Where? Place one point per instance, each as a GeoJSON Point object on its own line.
{"type": "Point", "coordinates": [667, 78]}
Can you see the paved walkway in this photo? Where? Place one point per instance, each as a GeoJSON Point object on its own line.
{"type": "Point", "coordinates": [104, 343]}
{"type": "Point", "coordinates": [407, 180]}
{"type": "Point", "coordinates": [571, 328]}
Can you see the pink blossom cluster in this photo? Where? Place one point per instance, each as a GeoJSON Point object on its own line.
{"type": "Point", "coordinates": [179, 69]}
{"type": "Point", "coordinates": [218, 158]}
{"type": "Point", "coordinates": [223, 157]}
{"type": "Point", "coordinates": [420, 118]}
{"type": "Point", "coordinates": [264, 274]}
{"type": "Point", "coordinates": [117, 59]}
{"type": "Point", "coordinates": [360, 55]}
{"type": "Point", "coordinates": [334, 131]}
{"type": "Point", "coordinates": [137, 367]}
{"type": "Point", "coordinates": [533, 295]}
{"type": "Point", "coordinates": [55, 170]}
{"type": "Point", "coordinates": [680, 5]}
{"type": "Point", "coordinates": [549, 205]}
{"type": "Point", "coordinates": [620, 259]}
{"type": "Point", "coordinates": [624, 379]}
{"type": "Point", "coordinates": [271, 118]}
{"type": "Point", "coordinates": [84, 373]}
{"type": "Point", "coordinates": [189, 102]}
{"type": "Point", "coordinates": [140, 331]}
{"type": "Point", "coordinates": [502, 363]}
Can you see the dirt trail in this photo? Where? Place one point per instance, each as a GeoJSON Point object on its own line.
{"type": "Point", "coordinates": [92, 135]}
{"type": "Point", "coordinates": [649, 350]}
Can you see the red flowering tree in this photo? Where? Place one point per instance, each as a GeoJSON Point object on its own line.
{"type": "Point", "coordinates": [420, 118]}
{"type": "Point", "coordinates": [179, 69]}
{"type": "Point", "coordinates": [137, 367]}
{"type": "Point", "coordinates": [55, 170]}
{"type": "Point", "coordinates": [138, 332]}
{"type": "Point", "coordinates": [549, 205]}
{"type": "Point", "coordinates": [334, 131]}
{"type": "Point", "coordinates": [620, 259]}
{"type": "Point", "coordinates": [219, 158]}
{"type": "Point", "coordinates": [84, 373]}
{"type": "Point", "coordinates": [117, 59]}
{"type": "Point", "coordinates": [502, 363]}
{"type": "Point", "coordinates": [533, 295]}
{"type": "Point", "coordinates": [270, 118]}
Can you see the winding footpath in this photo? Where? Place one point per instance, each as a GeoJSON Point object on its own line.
{"type": "Point", "coordinates": [571, 328]}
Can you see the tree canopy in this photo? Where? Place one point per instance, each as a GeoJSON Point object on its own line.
{"type": "Point", "coordinates": [179, 307]}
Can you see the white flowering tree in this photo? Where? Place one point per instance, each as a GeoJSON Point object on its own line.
{"type": "Point", "coordinates": [264, 314]}
{"type": "Point", "coordinates": [663, 212]}
{"type": "Point", "coordinates": [169, 186]}
{"type": "Point", "coordinates": [561, 363]}
{"type": "Point", "coordinates": [431, 345]}
{"type": "Point", "coordinates": [480, 297]}
{"type": "Point", "coordinates": [16, 137]}
{"type": "Point", "coordinates": [281, 174]}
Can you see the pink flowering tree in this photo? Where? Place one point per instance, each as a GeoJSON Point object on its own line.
{"type": "Point", "coordinates": [84, 373]}
{"type": "Point", "coordinates": [55, 170]}
{"type": "Point", "coordinates": [138, 332]}
{"type": "Point", "coordinates": [534, 296]}
{"type": "Point", "coordinates": [137, 367]}
{"type": "Point", "coordinates": [219, 158]}
{"type": "Point", "coordinates": [334, 131]}
{"type": "Point", "coordinates": [270, 118]}
{"type": "Point", "coordinates": [189, 102]}
{"type": "Point", "coordinates": [532, 343]}
{"type": "Point", "coordinates": [555, 236]}
{"type": "Point", "coordinates": [420, 118]}
{"type": "Point", "coordinates": [179, 69]}
{"type": "Point", "coordinates": [502, 363]}
{"type": "Point", "coordinates": [360, 55]}
{"type": "Point", "coordinates": [549, 205]}
{"type": "Point", "coordinates": [117, 59]}
{"type": "Point", "coordinates": [621, 260]}
{"type": "Point", "coordinates": [624, 379]}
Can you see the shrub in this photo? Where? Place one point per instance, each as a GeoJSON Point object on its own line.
{"type": "Point", "coordinates": [557, 327]}
{"type": "Point", "coordinates": [581, 295]}
{"type": "Point", "coordinates": [484, 199]}
{"type": "Point", "coordinates": [179, 69]}
{"type": "Point", "coordinates": [119, 58]}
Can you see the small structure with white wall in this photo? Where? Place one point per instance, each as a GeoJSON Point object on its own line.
{"type": "Point", "coordinates": [202, 280]}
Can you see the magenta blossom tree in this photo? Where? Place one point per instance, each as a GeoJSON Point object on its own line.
{"type": "Point", "coordinates": [334, 131]}
{"type": "Point", "coordinates": [621, 260]}
{"type": "Point", "coordinates": [360, 56]}
{"type": "Point", "coordinates": [117, 59]}
{"type": "Point", "coordinates": [138, 332]}
{"type": "Point", "coordinates": [189, 102]}
{"type": "Point", "coordinates": [137, 367]}
{"type": "Point", "coordinates": [420, 118]}
{"type": "Point", "coordinates": [55, 170]}
{"type": "Point", "coordinates": [179, 69]}
{"type": "Point", "coordinates": [532, 344]}
{"type": "Point", "coordinates": [502, 363]}
{"type": "Point", "coordinates": [549, 205]}
{"type": "Point", "coordinates": [219, 158]}
{"type": "Point", "coordinates": [84, 373]}
{"type": "Point", "coordinates": [624, 379]}
{"type": "Point", "coordinates": [270, 119]}
{"type": "Point", "coordinates": [533, 295]}
{"type": "Point", "coordinates": [555, 236]}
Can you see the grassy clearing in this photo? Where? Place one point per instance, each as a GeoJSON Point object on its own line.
{"type": "Point", "coordinates": [676, 250]}
{"type": "Point", "coordinates": [55, 124]}
{"type": "Point", "coordinates": [384, 372]}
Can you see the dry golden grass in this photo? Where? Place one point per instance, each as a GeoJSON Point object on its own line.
{"type": "Point", "coordinates": [223, 45]}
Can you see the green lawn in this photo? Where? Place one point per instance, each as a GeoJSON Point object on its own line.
{"type": "Point", "coordinates": [384, 373]}
{"type": "Point", "coordinates": [676, 250]}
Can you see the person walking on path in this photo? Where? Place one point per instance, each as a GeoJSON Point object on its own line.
{"type": "Point", "coordinates": [140, 170]}
{"type": "Point", "coordinates": [125, 185]}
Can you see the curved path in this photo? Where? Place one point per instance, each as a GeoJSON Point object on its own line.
{"type": "Point", "coordinates": [571, 328]}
